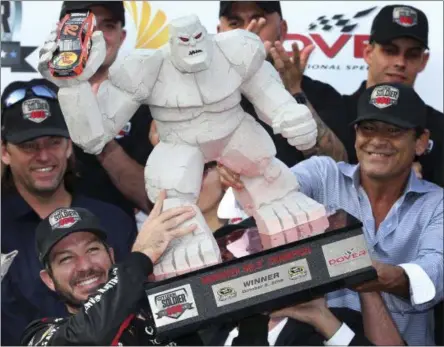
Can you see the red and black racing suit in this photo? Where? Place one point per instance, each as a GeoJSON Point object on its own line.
{"type": "Point", "coordinates": [115, 315]}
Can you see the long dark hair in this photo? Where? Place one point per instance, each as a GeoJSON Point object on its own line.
{"type": "Point", "coordinates": [69, 178]}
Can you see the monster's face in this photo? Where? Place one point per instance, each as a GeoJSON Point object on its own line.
{"type": "Point", "coordinates": [190, 45]}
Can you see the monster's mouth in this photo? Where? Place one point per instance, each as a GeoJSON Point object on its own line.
{"type": "Point", "coordinates": [195, 52]}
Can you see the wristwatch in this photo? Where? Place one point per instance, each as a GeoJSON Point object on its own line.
{"type": "Point", "coordinates": [300, 98]}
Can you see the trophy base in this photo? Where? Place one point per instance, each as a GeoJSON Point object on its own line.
{"type": "Point", "coordinates": [264, 281]}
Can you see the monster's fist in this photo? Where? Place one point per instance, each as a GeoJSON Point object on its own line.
{"type": "Point", "coordinates": [297, 125]}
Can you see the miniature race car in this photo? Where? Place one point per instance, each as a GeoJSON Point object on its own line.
{"type": "Point", "coordinates": [74, 44]}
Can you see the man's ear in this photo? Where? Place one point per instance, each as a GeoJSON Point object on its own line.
{"type": "Point", "coordinates": [425, 60]}
{"type": "Point", "coordinates": [5, 154]}
{"type": "Point", "coordinates": [69, 149]}
{"type": "Point", "coordinates": [284, 30]}
{"type": "Point", "coordinates": [46, 278]}
{"type": "Point", "coordinates": [367, 53]}
{"type": "Point", "coordinates": [122, 37]}
{"type": "Point", "coordinates": [111, 254]}
{"type": "Point", "coordinates": [422, 143]}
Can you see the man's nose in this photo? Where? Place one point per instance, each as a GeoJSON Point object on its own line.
{"type": "Point", "coordinates": [400, 61]}
{"type": "Point", "coordinates": [42, 154]}
{"type": "Point", "coordinates": [379, 139]}
{"type": "Point", "coordinates": [83, 264]}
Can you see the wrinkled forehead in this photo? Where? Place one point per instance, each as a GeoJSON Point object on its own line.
{"type": "Point", "coordinates": [185, 26]}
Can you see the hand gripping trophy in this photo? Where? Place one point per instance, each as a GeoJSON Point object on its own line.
{"type": "Point", "coordinates": [193, 86]}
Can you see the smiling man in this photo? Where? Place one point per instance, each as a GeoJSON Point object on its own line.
{"type": "Point", "coordinates": [106, 300]}
{"type": "Point", "coordinates": [38, 178]}
{"type": "Point", "coordinates": [402, 215]}
{"type": "Point", "coordinates": [397, 52]}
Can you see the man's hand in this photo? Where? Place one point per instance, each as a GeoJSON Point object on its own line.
{"type": "Point", "coordinates": [161, 227]}
{"type": "Point", "coordinates": [305, 312]}
{"type": "Point", "coordinates": [255, 26]}
{"type": "Point", "coordinates": [229, 178]}
{"type": "Point", "coordinates": [291, 69]}
{"type": "Point", "coordinates": [391, 279]}
{"type": "Point", "coordinates": [315, 313]}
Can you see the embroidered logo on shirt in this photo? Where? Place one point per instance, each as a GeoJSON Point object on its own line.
{"type": "Point", "coordinates": [125, 131]}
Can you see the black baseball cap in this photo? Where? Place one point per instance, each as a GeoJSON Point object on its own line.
{"type": "Point", "coordinates": [115, 7]}
{"type": "Point", "coordinates": [63, 222]}
{"type": "Point", "coordinates": [392, 103]}
{"type": "Point", "coordinates": [31, 110]}
{"type": "Point", "coordinates": [266, 6]}
{"type": "Point", "coordinates": [395, 21]}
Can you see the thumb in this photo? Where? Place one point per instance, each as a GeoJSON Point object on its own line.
{"type": "Point", "coordinates": [305, 55]}
{"type": "Point", "coordinates": [157, 209]}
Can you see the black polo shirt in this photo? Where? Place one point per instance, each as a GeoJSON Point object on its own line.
{"type": "Point", "coordinates": [285, 152]}
{"type": "Point", "coordinates": [93, 179]}
{"type": "Point", "coordinates": [343, 108]}
{"type": "Point", "coordinates": [24, 296]}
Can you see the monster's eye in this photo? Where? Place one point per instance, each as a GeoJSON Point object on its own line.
{"type": "Point", "coordinates": [184, 39]}
{"type": "Point", "coordinates": [198, 36]}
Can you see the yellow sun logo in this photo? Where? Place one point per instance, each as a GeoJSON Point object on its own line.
{"type": "Point", "coordinates": [152, 33]}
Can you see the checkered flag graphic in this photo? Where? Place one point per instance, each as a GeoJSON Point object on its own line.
{"type": "Point", "coordinates": [339, 21]}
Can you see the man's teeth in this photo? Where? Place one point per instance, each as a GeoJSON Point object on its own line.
{"type": "Point", "coordinates": [379, 154]}
{"type": "Point", "coordinates": [45, 169]}
{"type": "Point", "coordinates": [87, 282]}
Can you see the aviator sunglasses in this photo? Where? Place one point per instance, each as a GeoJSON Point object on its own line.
{"type": "Point", "coordinates": [19, 94]}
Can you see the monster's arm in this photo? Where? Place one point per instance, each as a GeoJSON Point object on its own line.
{"type": "Point", "coordinates": [94, 120]}
{"type": "Point", "coordinates": [263, 87]}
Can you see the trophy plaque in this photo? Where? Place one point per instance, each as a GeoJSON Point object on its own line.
{"type": "Point", "coordinates": [264, 280]}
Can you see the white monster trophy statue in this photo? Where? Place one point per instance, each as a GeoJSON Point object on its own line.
{"type": "Point", "coordinates": [193, 86]}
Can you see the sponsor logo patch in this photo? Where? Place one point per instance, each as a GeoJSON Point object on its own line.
{"type": "Point", "coordinates": [346, 256]}
{"type": "Point", "coordinates": [297, 272]}
{"type": "Point", "coordinates": [65, 59]}
{"type": "Point", "coordinates": [384, 96]}
{"type": "Point", "coordinates": [125, 131]}
{"type": "Point", "coordinates": [173, 305]}
{"type": "Point", "coordinates": [36, 110]}
{"type": "Point", "coordinates": [226, 293]}
{"type": "Point", "coordinates": [64, 218]}
{"type": "Point", "coordinates": [405, 16]}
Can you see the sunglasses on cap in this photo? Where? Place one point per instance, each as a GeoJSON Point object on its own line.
{"type": "Point", "coordinates": [19, 94]}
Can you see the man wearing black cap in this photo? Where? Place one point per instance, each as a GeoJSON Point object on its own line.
{"type": "Point", "coordinates": [397, 52]}
{"type": "Point", "coordinates": [247, 15]}
{"type": "Point", "coordinates": [402, 215]}
{"type": "Point", "coordinates": [107, 301]}
{"type": "Point", "coordinates": [115, 175]}
{"type": "Point", "coordinates": [39, 178]}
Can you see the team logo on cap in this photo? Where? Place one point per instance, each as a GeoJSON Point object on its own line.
{"type": "Point", "coordinates": [63, 218]}
{"type": "Point", "coordinates": [384, 96]}
{"type": "Point", "coordinates": [405, 16]}
{"type": "Point", "coordinates": [35, 110]}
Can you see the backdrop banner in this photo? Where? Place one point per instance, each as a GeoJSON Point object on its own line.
{"type": "Point", "coordinates": [338, 29]}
